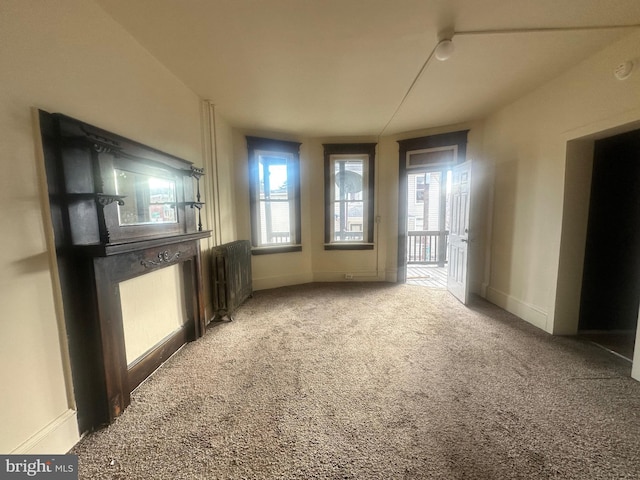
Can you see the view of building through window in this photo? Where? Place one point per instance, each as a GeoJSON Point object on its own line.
{"type": "Point", "coordinates": [348, 199]}
{"type": "Point", "coordinates": [274, 178]}
{"type": "Point", "coordinates": [275, 224]}
{"type": "Point", "coordinates": [428, 212]}
{"type": "Point", "coordinates": [349, 195]}
{"type": "Point", "coordinates": [424, 200]}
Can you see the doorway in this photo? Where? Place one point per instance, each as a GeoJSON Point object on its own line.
{"type": "Point", "coordinates": [428, 205]}
{"type": "Point", "coordinates": [610, 295]}
{"type": "Point", "coordinates": [426, 161]}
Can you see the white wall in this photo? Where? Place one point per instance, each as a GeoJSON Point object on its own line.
{"type": "Point", "coordinates": [68, 57]}
{"type": "Point", "coordinates": [149, 318]}
{"type": "Point", "coordinates": [527, 144]}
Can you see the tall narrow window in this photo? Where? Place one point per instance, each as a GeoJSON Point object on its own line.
{"type": "Point", "coordinates": [275, 195]}
{"type": "Point", "coordinates": [349, 185]}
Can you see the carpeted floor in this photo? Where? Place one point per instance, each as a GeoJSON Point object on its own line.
{"type": "Point", "coordinates": [375, 381]}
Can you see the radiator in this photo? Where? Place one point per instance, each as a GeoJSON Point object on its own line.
{"type": "Point", "coordinates": [231, 266]}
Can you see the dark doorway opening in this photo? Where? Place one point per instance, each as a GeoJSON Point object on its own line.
{"type": "Point", "coordinates": [611, 280]}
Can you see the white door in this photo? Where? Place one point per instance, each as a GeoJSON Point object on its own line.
{"type": "Point", "coordinates": [457, 280]}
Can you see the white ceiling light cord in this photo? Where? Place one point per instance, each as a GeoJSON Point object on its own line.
{"type": "Point", "coordinates": [501, 31]}
{"type": "Point", "coordinates": [404, 98]}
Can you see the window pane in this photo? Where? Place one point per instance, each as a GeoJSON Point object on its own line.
{"type": "Point", "coordinates": [348, 221]}
{"type": "Point", "coordinates": [274, 194]}
{"type": "Point", "coordinates": [337, 218]}
{"type": "Point", "coordinates": [420, 188]}
{"type": "Point", "coordinates": [349, 173]}
{"type": "Point", "coordinates": [272, 173]}
{"type": "Point", "coordinates": [348, 193]}
{"type": "Point", "coordinates": [425, 194]}
{"type": "Point", "coordinates": [274, 206]}
{"type": "Point", "coordinates": [348, 179]}
{"type": "Point", "coordinates": [261, 175]}
{"type": "Point", "coordinates": [278, 181]}
{"type": "Point", "coordinates": [280, 217]}
{"type": "Point", "coordinates": [275, 224]}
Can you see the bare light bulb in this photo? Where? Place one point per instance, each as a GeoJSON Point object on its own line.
{"type": "Point", "coordinates": [444, 49]}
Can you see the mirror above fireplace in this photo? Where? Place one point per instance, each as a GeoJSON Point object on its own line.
{"type": "Point", "coordinates": [147, 199]}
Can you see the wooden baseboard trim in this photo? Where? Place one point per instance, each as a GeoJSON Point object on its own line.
{"type": "Point", "coordinates": [146, 365]}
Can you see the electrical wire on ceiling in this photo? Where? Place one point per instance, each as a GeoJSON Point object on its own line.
{"type": "Point", "coordinates": [444, 48]}
{"type": "Point", "coordinates": [404, 98]}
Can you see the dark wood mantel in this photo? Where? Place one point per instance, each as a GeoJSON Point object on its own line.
{"type": "Point", "coordinates": [113, 264]}
{"type": "Point", "coordinates": [98, 247]}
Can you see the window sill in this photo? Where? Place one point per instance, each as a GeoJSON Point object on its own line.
{"type": "Point", "coordinates": [348, 246]}
{"type": "Point", "coordinates": [269, 249]}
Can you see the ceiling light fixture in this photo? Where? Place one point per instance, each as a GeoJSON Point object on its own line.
{"type": "Point", "coordinates": [444, 49]}
{"type": "Point", "coordinates": [624, 69]}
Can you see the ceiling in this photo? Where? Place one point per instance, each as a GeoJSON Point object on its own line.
{"type": "Point", "coordinates": [343, 67]}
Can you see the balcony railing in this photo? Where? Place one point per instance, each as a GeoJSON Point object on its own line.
{"type": "Point", "coordinates": [279, 237]}
{"type": "Point", "coordinates": [349, 236]}
{"type": "Point", "coordinates": [427, 247]}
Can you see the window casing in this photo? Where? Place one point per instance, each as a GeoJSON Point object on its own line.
{"type": "Point", "coordinates": [274, 193]}
{"type": "Point", "coordinates": [349, 196]}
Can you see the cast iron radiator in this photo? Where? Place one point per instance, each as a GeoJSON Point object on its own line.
{"type": "Point", "coordinates": [231, 266]}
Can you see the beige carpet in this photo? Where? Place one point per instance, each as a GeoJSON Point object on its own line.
{"type": "Point", "coordinates": [375, 381]}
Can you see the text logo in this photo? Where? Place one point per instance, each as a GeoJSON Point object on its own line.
{"type": "Point", "coordinates": [50, 467]}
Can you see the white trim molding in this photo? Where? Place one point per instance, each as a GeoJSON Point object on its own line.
{"type": "Point", "coordinates": [276, 281]}
{"type": "Point", "coordinates": [530, 313]}
{"type": "Point", "coordinates": [57, 437]}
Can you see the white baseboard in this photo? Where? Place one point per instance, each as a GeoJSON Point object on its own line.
{"type": "Point", "coordinates": [265, 283]}
{"type": "Point", "coordinates": [391, 275]}
{"type": "Point", "coordinates": [56, 438]}
{"type": "Point", "coordinates": [530, 313]}
{"type": "Point", "coordinates": [340, 277]}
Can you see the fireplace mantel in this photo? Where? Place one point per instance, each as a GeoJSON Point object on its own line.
{"type": "Point", "coordinates": [107, 271]}
{"type": "Point", "coordinates": [120, 210]}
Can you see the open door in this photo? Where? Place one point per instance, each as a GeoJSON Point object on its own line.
{"type": "Point", "coordinates": [457, 279]}
{"type": "Point", "coordinates": [434, 152]}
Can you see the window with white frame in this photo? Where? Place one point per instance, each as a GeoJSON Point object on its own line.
{"type": "Point", "coordinates": [274, 194]}
{"type": "Point", "coordinates": [349, 191]}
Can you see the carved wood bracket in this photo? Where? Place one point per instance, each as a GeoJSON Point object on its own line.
{"type": "Point", "coordinates": [104, 199]}
{"type": "Point", "coordinates": [163, 257]}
